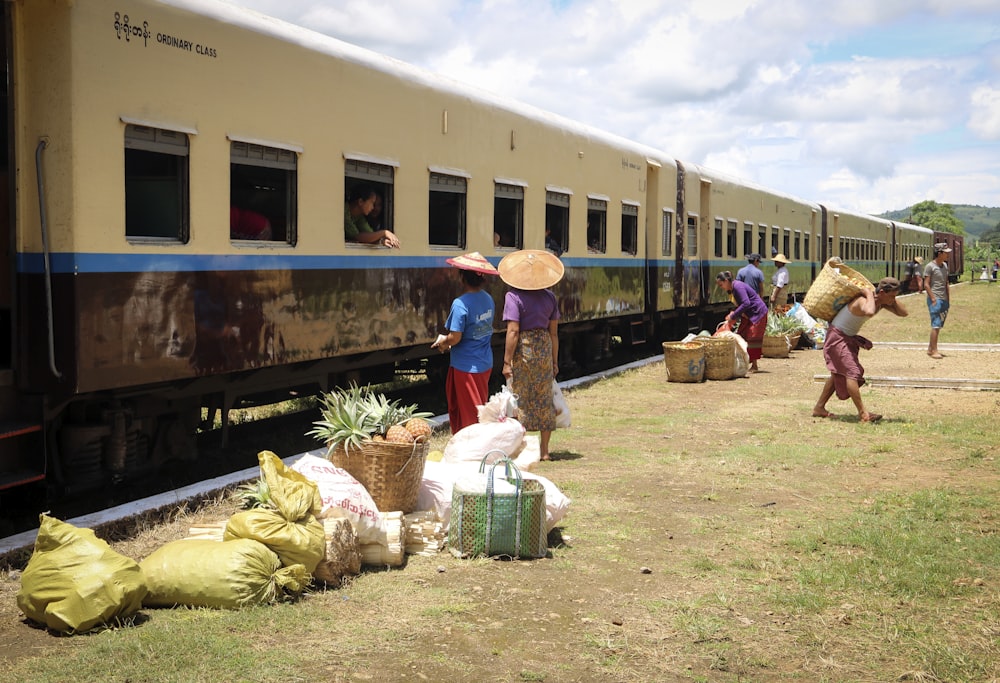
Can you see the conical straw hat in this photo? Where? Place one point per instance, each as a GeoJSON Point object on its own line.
{"type": "Point", "coordinates": [781, 258]}
{"type": "Point", "coordinates": [531, 269]}
{"type": "Point", "coordinates": [473, 261]}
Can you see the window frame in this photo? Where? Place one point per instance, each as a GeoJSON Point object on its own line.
{"type": "Point", "coordinates": [142, 140]}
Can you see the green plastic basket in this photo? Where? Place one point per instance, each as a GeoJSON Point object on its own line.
{"type": "Point", "coordinates": [499, 524]}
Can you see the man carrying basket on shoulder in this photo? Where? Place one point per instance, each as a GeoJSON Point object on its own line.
{"type": "Point", "coordinates": [843, 343]}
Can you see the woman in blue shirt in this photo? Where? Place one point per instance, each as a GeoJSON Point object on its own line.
{"type": "Point", "coordinates": [470, 331]}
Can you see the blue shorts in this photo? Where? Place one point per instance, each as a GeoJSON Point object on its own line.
{"type": "Point", "coordinates": [939, 312]}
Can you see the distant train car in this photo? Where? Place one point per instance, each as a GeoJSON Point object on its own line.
{"type": "Point", "coordinates": [956, 259]}
{"type": "Point", "coordinates": [177, 173]}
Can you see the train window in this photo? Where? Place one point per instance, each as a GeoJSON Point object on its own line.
{"type": "Point", "coordinates": [446, 210]}
{"type": "Point", "coordinates": [775, 244]}
{"type": "Point", "coordinates": [508, 215]}
{"type": "Point", "coordinates": [731, 238]}
{"type": "Point", "coordinates": [556, 221]}
{"type": "Point", "coordinates": [786, 241]}
{"type": "Point", "coordinates": [262, 192]}
{"type": "Point", "coordinates": [379, 176]}
{"type": "Point", "coordinates": [807, 255]}
{"type": "Point", "coordinates": [630, 228]}
{"type": "Point", "coordinates": [156, 184]}
{"type": "Point", "coordinates": [668, 233]}
{"type": "Point", "coordinates": [748, 239]}
{"type": "Point", "coordinates": [797, 255]}
{"type": "Point", "coordinates": [718, 238]}
{"type": "Point", "coordinates": [597, 225]}
{"type": "Point", "coordinates": [762, 240]}
{"type": "Point", "coordinates": [692, 236]}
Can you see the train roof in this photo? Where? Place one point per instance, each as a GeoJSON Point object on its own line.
{"type": "Point", "coordinates": [225, 11]}
{"type": "Point", "coordinates": [712, 173]}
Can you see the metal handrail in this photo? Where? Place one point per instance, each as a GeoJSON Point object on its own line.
{"type": "Point", "coordinates": [45, 255]}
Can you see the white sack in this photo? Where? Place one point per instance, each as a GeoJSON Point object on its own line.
{"type": "Point", "coordinates": [343, 496]}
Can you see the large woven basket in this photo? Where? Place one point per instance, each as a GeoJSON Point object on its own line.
{"type": "Point", "coordinates": [684, 361]}
{"type": "Point", "coordinates": [720, 357]}
{"type": "Point", "coordinates": [391, 472]}
{"type": "Point", "coordinates": [835, 285]}
{"type": "Point", "coordinates": [776, 346]}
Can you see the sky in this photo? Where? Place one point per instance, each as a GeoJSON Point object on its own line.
{"type": "Point", "coordinates": [867, 105]}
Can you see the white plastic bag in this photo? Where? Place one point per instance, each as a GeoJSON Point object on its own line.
{"type": "Point", "coordinates": [563, 420]}
{"type": "Point", "coordinates": [500, 406]}
{"type": "Point", "coordinates": [472, 443]}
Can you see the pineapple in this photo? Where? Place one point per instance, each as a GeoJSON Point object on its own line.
{"type": "Point", "coordinates": [347, 419]}
{"type": "Point", "coordinates": [419, 428]}
{"type": "Point", "coordinates": [398, 434]}
{"type": "Point", "coordinates": [256, 495]}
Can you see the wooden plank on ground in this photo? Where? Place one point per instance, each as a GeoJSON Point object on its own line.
{"type": "Point", "coordinates": [927, 382]}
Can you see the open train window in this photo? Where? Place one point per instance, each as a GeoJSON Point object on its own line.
{"type": "Point", "coordinates": [446, 209]}
{"type": "Point", "coordinates": [762, 241]}
{"type": "Point", "coordinates": [557, 221]}
{"type": "Point", "coordinates": [748, 238]}
{"type": "Point", "coordinates": [718, 238]}
{"type": "Point", "coordinates": [156, 185]}
{"type": "Point", "coordinates": [692, 235]}
{"type": "Point", "coordinates": [775, 242]}
{"type": "Point", "coordinates": [362, 174]}
{"type": "Point", "coordinates": [508, 214]}
{"type": "Point", "coordinates": [630, 228]}
{"type": "Point", "coordinates": [786, 241]}
{"type": "Point", "coordinates": [668, 233]}
{"type": "Point", "coordinates": [806, 252]}
{"type": "Point", "coordinates": [731, 238]}
{"type": "Point", "coordinates": [262, 193]}
{"type": "Point", "coordinates": [597, 225]}
{"type": "Point", "coordinates": [797, 255]}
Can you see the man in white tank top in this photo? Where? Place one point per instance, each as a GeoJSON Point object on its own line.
{"type": "Point", "coordinates": [843, 343]}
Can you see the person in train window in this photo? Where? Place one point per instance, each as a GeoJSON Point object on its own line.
{"type": "Point", "coordinates": [360, 202]}
{"type": "Point", "coordinates": [531, 347]}
{"type": "Point", "coordinates": [938, 295]}
{"type": "Point", "coordinates": [375, 216]}
{"type": "Point", "coordinates": [843, 344]}
{"type": "Point", "coordinates": [551, 243]}
{"type": "Point", "coordinates": [470, 331]}
{"type": "Point", "coordinates": [779, 281]}
{"type": "Point", "coordinates": [752, 275]}
{"type": "Point", "coordinates": [750, 313]}
{"type": "Point", "coordinates": [245, 224]}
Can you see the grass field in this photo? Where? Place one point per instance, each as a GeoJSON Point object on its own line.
{"type": "Point", "coordinates": [717, 532]}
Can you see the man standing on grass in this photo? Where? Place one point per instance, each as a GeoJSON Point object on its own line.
{"type": "Point", "coordinates": [843, 343]}
{"type": "Point", "coordinates": [938, 294]}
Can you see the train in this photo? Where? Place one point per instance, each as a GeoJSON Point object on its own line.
{"type": "Point", "coordinates": [133, 306]}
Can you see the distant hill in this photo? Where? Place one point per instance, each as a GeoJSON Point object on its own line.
{"type": "Point", "coordinates": [976, 219]}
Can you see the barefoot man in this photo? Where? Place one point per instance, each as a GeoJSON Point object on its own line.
{"type": "Point", "coordinates": [840, 350]}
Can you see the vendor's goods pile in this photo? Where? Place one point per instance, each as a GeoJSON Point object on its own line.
{"type": "Point", "coordinates": [684, 361]}
{"type": "Point", "coordinates": [781, 335]}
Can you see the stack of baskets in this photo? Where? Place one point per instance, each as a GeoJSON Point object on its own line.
{"type": "Point", "coordinates": [684, 361]}
{"type": "Point", "coordinates": [391, 472]}
{"type": "Point", "coordinates": [835, 285]}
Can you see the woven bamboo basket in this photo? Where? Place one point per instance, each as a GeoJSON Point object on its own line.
{"type": "Point", "coordinates": [720, 357]}
{"type": "Point", "coordinates": [684, 361]}
{"type": "Point", "coordinates": [390, 471]}
{"type": "Point", "coordinates": [776, 346]}
{"type": "Point", "coordinates": [835, 285]}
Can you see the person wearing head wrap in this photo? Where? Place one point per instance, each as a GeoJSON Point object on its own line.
{"type": "Point", "coordinates": [843, 343]}
{"type": "Point", "coordinates": [469, 336]}
{"type": "Point", "coordinates": [531, 348]}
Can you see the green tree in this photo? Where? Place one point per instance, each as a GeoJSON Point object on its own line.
{"type": "Point", "coordinates": [941, 217]}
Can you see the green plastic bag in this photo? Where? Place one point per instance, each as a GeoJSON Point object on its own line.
{"type": "Point", "coordinates": [226, 575]}
{"type": "Point", "coordinates": [292, 531]}
{"type": "Point", "coordinates": [74, 581]}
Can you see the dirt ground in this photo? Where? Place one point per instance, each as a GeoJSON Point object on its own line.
{"type": "Point", "coordinates": [648, 502]}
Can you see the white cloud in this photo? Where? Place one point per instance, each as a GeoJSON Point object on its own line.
{"type": "Point", "coordinates": [984, 113]}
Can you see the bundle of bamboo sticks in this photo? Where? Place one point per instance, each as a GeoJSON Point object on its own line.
{"type": "Point", "coordinates": [425, 534]}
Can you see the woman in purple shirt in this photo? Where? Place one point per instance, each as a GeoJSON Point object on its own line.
{"type": "Point", "coordinates": [751, 312]}
{"type": "Point", "coordinates": [531, 350]}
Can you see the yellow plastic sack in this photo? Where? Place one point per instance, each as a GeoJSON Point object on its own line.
{"type": "Point", "coordinates": [74, 581]}
{"type": "Point", "coordinates": [227, 575]}
{"type": "Point", "coordinates": [292, 531]}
